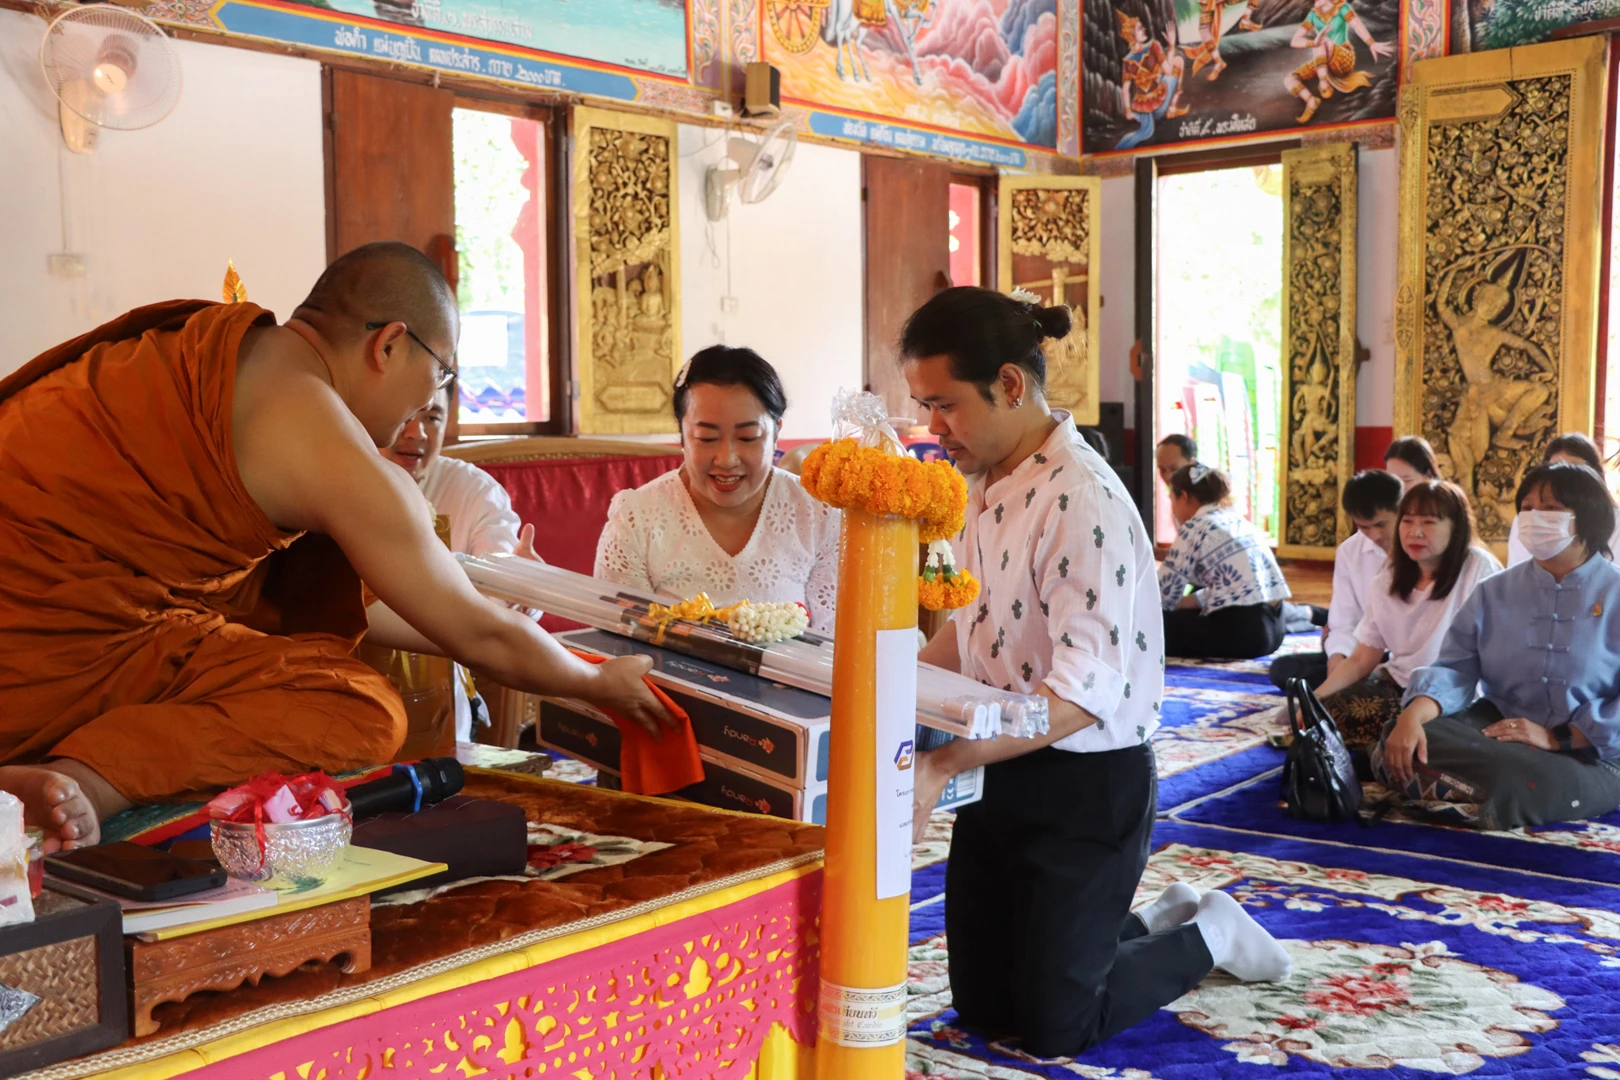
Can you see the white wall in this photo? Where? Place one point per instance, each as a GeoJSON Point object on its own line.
{"type": "Point", "coordinates": [235, 172]}
{"type": "Point", "coordinates": [793, 266]}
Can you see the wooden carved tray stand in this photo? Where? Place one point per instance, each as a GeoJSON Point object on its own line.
{"type": "Point", "coordinates": [227, 957]}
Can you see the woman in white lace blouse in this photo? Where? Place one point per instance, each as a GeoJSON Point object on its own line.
{"type": "Point", "coordinates": [727, 522]}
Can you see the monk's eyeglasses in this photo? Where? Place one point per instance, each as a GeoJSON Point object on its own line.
{"type": "Point", "coordinates": [449, 371]}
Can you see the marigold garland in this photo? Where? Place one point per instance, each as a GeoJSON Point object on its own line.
{"type": "Point", "coordinates": [854, 477]}
{"type": "Point", "coordinates": [948, 590]}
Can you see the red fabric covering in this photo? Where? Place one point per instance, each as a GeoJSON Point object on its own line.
{"type": "Point", "coordinates": [648, 767]}
{"type": "Point", "coordinates": [566, 500]}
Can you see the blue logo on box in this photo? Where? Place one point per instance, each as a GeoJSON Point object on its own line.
{"type": "Point", "coordinates": [902, 756]}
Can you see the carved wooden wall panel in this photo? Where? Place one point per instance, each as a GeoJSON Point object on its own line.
{"type": "Point", "coordinates": [627, 272]}
{"type": "Point", "coordinates": [1319, 342]}
{"type": "Point", "coordinates": [1497, 298]}
{"type": "Point", "coordinates": [1049, 240]}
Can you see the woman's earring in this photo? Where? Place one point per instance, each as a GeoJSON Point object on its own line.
{"type": "Point", "coordinates": [1017, 402]}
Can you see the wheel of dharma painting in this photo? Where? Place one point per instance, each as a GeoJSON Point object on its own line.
{"type": "Point", "coordinates": [796, 23]}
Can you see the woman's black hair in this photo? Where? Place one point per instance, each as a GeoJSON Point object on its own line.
{"type": "Point", "coordinates": [980, 330]}
{"type": "Point", "coordinates": [1441, 499]}
{"type": "Point", "coordinates": [1370, 492]}
{"type": "Point", "coordinates": [1575, 445]}
{"type": "Point", "coordinates": [1416, 452]}
{"type": "Point", "coordinates": [722, 365]}
{"type": "Point", "coordinates": [1581, 489]}
{"type": "Point", "coordinates": [1210, 487]}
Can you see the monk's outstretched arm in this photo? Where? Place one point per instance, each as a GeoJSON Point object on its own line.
{"type": "Point", "coordinates": [309, 464]}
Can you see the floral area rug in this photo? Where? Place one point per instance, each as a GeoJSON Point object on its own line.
{"type": "Point", "coordinates": [1217, 721]}
{"type": "Point", "coordinates": [1587, 850]}
{"type": "Point", "coordinates": [1405, 965]}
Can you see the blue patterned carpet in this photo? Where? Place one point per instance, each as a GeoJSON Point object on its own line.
{"type": "Point", "coordinates": [1419, 951]}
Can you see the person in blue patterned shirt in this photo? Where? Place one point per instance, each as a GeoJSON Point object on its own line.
{"type": "Point", "coordinates": [1234, 609]}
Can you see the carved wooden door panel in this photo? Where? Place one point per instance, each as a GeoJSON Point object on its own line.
{"type": "Point", "coordinates": [908, 259]}
{"type": "Point", "coordinates": [390, 175]}
{"type": "Point", "coordinates": [1497, 297]}
{"type": "Point", "coordinates": [1049, 238]}
{"type": "Point", "coordinates": [1319, 343]}
{"type": "Point", "coordinates": [627, 272]}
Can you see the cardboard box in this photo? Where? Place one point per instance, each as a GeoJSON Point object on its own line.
{"type": "Point", "coordinates": [770, 729]}
{"type": "Point", "coordinates": [579, 731]}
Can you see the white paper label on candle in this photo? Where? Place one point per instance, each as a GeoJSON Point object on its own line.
{"type": "Point", "coordinates": [857, 1017]}
{"type": "Point", "coordinates": [896, 758]}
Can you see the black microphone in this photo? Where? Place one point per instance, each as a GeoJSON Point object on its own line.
{"type": "Point", "coordinates": [408, 788]}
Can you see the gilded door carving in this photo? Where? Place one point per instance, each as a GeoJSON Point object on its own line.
{"type": "Point", "coordinates": [1319, 342]}
{"type": "Point", "coordinates": [1497, 299]}
{"type": "Point", "coordinates": [1049, 232]}
{"type": "Point", "coordinates": [627, 272]}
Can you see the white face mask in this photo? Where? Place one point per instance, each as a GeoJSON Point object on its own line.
{"type": "Point", "coordinates": [1546, 533]}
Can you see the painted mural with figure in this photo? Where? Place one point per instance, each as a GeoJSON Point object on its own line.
{"type": "Point", "coordinates": [986, 67]}
{"type": "Point", "coordinates": [1501, 24]}
{"type": "Point", "coordinates": [1160, 72]}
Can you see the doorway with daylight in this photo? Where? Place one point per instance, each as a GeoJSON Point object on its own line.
{"type": "Point", "coordinates": [1216, 313]}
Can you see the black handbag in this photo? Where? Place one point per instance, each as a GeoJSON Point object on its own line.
{"type": "Point", "coordinates": [1318, 778]}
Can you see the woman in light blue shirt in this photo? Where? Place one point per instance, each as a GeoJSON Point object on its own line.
{"type": "Point", "coordinates": [1518, 722]}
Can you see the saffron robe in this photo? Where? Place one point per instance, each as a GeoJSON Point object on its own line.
{"type": "Point", "coordinates": [154, 623]}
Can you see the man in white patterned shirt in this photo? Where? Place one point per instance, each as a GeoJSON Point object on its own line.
{"type": "Point", "coordinates": [1043, 870]}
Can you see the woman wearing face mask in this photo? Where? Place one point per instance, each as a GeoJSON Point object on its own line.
{"type": "Point", "coordinates": [727, 522]}
{"type": "Point", "coordinates": [1434, 568]}
{"type": "Point", "coordinates": [1541, 643]}
{"type": "Point", "coordinates": [1235, 609]}
{"type": "Point", "coordinates": [1571, 448]}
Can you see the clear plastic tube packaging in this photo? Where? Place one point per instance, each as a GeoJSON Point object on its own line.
{"type": "Point", "coordinates": [946, 700]}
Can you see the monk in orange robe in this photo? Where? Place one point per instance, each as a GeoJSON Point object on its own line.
{"type": "Point", "coordinates": [190, 499]}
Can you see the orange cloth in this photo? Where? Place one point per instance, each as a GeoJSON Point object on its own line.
{"type": "Point", "coordinates": [647, 767]}
{"type": "Point", "coordinates": [154, 624]}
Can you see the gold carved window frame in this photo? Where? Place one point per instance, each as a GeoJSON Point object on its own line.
{"type": "Point", "coordinates": [1319, 326]}
{"type": "Point", "coordinates": [1058, 242]}
{"type": "Point", "coordinates": [648, 411]}
{"type": "Point", "coordinates": [1471, 88]}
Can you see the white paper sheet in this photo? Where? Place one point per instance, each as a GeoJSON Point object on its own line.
{"type": "Point", "coordinates": [896, 756]}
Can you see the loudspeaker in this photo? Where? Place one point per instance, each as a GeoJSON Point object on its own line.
{"type": "Point", "coordinates": [762, 90]}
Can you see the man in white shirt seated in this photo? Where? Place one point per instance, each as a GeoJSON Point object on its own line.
{"type": "Point", "coordinates": [1043, 870]}
{"type": "Point", "coordinates": [1371, 498]}
{"type": "Point", "coordinates": [482, 521]}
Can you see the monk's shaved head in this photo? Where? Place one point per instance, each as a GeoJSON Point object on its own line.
{"type": "Point", "coordinates": [383, 282]}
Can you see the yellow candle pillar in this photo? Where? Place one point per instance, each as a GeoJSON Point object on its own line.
{"type": "Point", "coordinates": [866, 898]}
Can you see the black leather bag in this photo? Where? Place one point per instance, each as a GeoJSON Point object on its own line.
{"type": "Point", "coordinates": [1318, 778]}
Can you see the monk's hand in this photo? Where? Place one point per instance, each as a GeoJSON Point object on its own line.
{"type": "Point", "coordinates": [1521, 730]}
{"type": "Point", "coordinates": [525, 545]}
{"type": "Point", "coordinates": [620, 689]}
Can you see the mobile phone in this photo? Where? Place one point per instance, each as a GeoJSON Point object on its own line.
{"type": "Point", "coordinates": [136, 871]}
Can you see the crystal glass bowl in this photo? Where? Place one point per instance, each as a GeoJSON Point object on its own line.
{"type": "Point", "coordinates": [297, 855]}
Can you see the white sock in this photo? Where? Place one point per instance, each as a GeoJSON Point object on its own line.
{"type": "Point", "coordinates": [1238, 944]}
{"type": "Point", "coordinates": [1175, 906]}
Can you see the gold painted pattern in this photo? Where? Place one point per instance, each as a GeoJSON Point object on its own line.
{"type": "Point", "coordinates": [1319, 327]}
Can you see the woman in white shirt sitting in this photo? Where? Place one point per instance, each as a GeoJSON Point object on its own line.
{"type": "Point", "coordinates": [1570, 448]}
{"type": "Point", "coordinates": [1434, 568]}
{"type": "Point", "coordinates": [1235, 609]}
{"type": "Point", "coordinates": [727, 522]}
